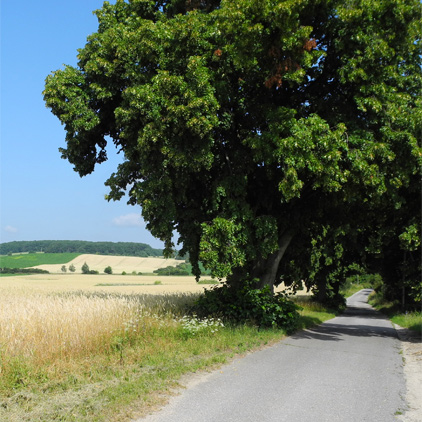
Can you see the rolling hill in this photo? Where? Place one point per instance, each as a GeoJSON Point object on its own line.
{"type": "Point", "coordinates": [118, 264]}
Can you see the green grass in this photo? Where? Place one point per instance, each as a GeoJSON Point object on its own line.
{"type": "Point", "coordinates": [34, 259]}
{"type": "Point", "coordinates": [136, 369]}
{"type": "Point", "coordinates": [349, 289]}
{"type": "Point", "coordinates": [312, 313]}
{"type": "Point", "coordinates": [208, 282]}
{"type": "Point", "coordinates": [410, 320]}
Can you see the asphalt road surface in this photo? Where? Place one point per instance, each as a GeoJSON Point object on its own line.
{"type": "Point", "coordinates": [347, 369]}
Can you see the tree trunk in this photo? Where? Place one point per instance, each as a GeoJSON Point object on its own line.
{"type": "Point", "coordinates": [321, 293]}
{"type": "Point", "coordinates": [266, 269]}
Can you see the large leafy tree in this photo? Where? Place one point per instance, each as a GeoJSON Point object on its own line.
{"type": "Point", "coordinates": [252, 127]}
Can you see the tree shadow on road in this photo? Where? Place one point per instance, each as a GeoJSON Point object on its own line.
{"type": "Point", "coordinates": [341, 326]}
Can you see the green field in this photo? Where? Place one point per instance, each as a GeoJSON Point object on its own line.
{"type": "Point", "coordinates": [34, 259]}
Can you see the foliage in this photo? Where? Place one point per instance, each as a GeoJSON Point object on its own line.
{"type": "Point", "coordinates": [6, 270]}
{"type": "Point", "coordinates": [64, 269]}
{"type": "Point", "coordinates": [80, 247]}
{"type": "Point", "coordinates": [180, 269]}
{"type": "Point", "coordinates": [410, 317]}
{"type": "Point", "coordinates": [108, 270]}
{"type": "Point", "coordinates": [257, 306]}
{"type": "Point", "coordinates": [72, 268]}
{"type": "Point", "coordinates": [404, 299]}
{"type": "Point", "coordinates": [280, 139]}
{"type": "Point", "coordinates": [85, 268]}
{"type": "Point", "coordinates": [352, 285]}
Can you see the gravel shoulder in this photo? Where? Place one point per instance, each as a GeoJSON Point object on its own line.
{"type": "Point", "coordinates": [411, 343]}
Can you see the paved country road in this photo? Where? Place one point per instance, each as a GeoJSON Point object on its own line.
{"type": "Point", "coordinates": [348, 369]}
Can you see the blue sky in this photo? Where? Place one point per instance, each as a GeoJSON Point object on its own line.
{"type": "Point", "coordinates": [41, 197]}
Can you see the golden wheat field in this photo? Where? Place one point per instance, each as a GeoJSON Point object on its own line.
{"type": "Point", "coordinates": [58, 315]}
{"type": "Point", "coordinates": [54, 316]}
{"type": "Point", "coordinates": [127, 284]}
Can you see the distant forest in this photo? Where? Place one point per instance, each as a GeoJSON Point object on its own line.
{"type": "Point", "coordinates": [79, 246]}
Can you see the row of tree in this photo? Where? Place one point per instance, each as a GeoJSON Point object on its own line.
{"type": "Point", "coordinates": [83, 247]}
{"type": "Point", "coordinates": [180, 269]}
{"type": "Point", "coordinates": [6, 270]}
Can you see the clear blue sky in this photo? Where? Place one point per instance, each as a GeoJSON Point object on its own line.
{"type": "Point", "coordinates": [41, 197]}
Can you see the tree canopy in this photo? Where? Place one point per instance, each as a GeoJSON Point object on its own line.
{"type": "Point", "coordinates": [280, 139]}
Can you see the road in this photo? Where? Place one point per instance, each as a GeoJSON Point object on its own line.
{"type": "Point", "coordinates": [348, 369]}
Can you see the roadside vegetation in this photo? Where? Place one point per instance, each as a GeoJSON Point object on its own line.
{"type": "Point", "coordinates": [108, 357]}
{"type": "Point", "coordinates": [410, 318]}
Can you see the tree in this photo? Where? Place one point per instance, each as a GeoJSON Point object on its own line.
{"type": "Point", "coordinates": [108, 270]}
{"type": "Point", "coordinates": [72, 268]}
{"type": "Point", "coordinates": [64, 269]}
{"type": "Point", "coordinates": [255, 128]}
{"type": "Point", "coordinates": [85, 268]}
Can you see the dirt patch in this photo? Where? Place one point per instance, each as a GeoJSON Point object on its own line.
{"type": "Point", "coordinates": [411, 342]}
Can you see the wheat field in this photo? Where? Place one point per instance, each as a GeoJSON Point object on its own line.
{"type": "Point", "coordinates": [59, 316]}
{"type": "Point", "coordinates": [119, 264]}
{"type": "Point", "coordinates": [45, 326]}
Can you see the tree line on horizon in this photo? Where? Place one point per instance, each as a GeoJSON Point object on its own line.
{"type": "Point", "coordinates": [77, 246]}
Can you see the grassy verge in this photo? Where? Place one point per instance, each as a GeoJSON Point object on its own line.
{"type": "Point", "coordinates": [410, 320]}
{"type": "Point", "coordinates": [110, 357]}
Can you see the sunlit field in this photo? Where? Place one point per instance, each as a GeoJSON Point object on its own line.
{"type": "Point", "coordinates": [148, 284]}
{"type": "Point", "coordinates": [103, 348]}
{"type": "Point", "coordinates": [153, 284]}
{"type": "Point", "coordinates": [46, 327]}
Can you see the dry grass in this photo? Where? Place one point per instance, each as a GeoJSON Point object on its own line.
{"type": "Point", "coordinates": [104, 283]}
{"type": "Point", "coordinates": [46, 327]}
{"type": "Point", "coordinates": [127, 284]}
{"type": "Point", "coordinates": [71, 350]}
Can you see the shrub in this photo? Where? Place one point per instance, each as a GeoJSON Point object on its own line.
{"type": "Point", "coordinates": [108, 270]}
{"type": "Point", "coordinates": [5, 270]}
{"type": "Point", "coordinates": [248, 304]}
{"type": "Point", "coordinates": [85, 268]}
{"type": "Point", "coordinates": [180, 269]}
